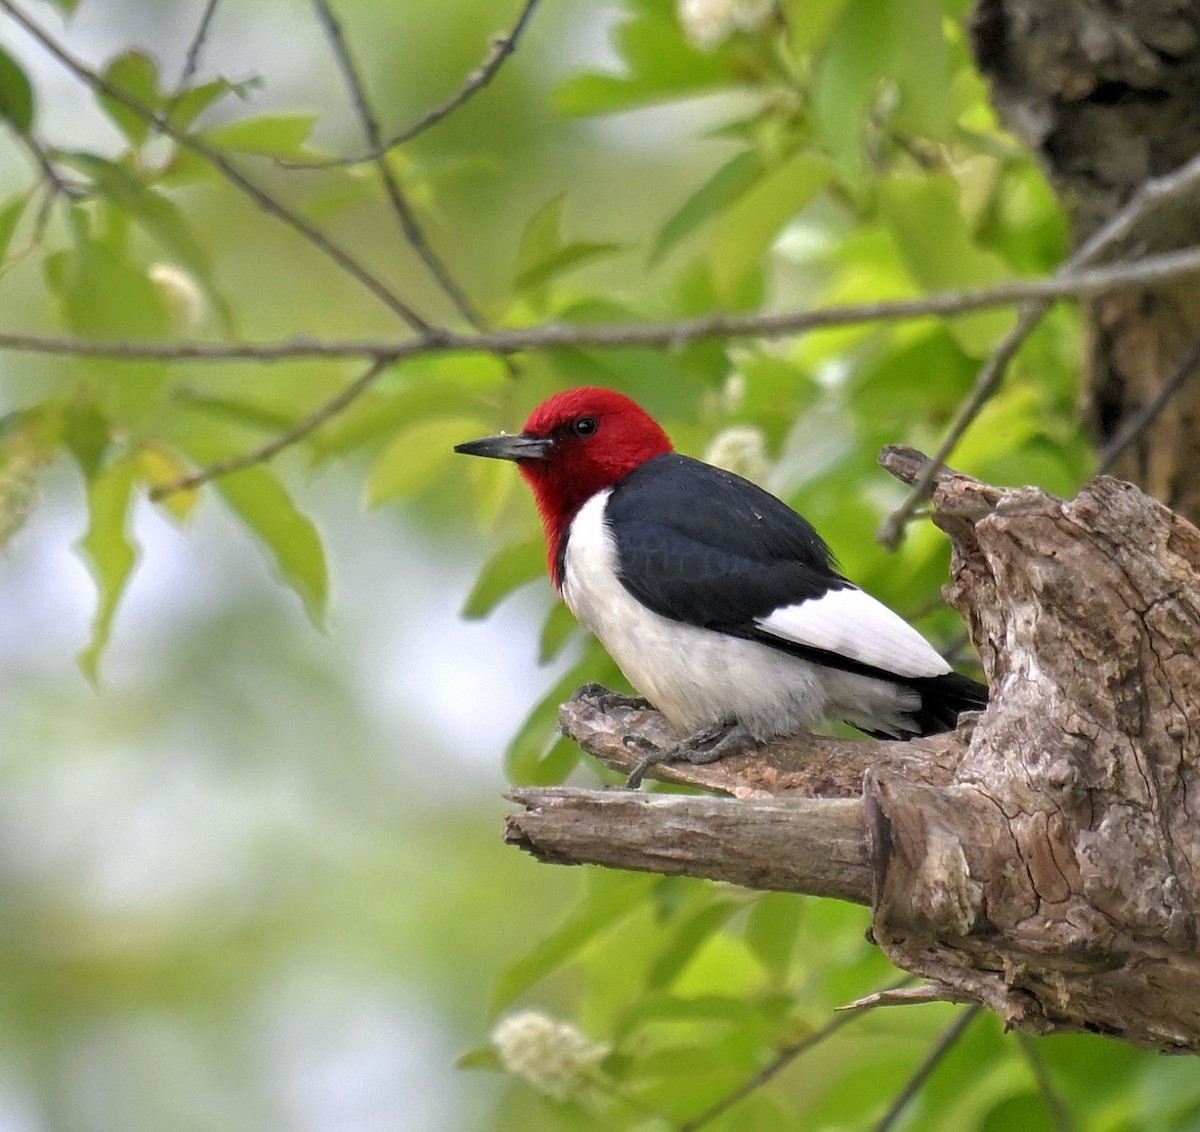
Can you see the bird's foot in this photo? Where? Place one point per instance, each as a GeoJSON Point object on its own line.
{"type": "Point", "coordinates": [706, 746]}
{"type": "Point", "coordinates": [608, 701]}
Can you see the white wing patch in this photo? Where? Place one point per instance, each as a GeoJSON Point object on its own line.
{"type": "Point", "coordinates": [853, 624]}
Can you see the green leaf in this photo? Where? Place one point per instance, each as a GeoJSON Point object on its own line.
{"type": "Point", "coordinates": [610, 897]}
{"type": "Point", "coordinates": [847, 83]}
{"type": "Point", "coordinates": [159, 467]}
{"type": "Point", "coordinates": [264, 418]}
{"type": "Point", "coordinates": [259, 499]}
{"type": "Point", "coordinates": [771, 931]}
{"type": "Point", "coordinates": [485, 1057]}
{"type": "Point", "coordinates": [417, 456]}
{"type": "Point", "coordinates": [921, 66]}
{"type": "Point", "coordinates": [186, 107]}
{"type": "Point", "coordinates": [873, 42]}
{"type": "Point", "coordinates": [543, 253]}
{"type": "Point", "coordinates": [657, 1007]}
{"type": "Point", "coordinates": [566, 258]}
{"type": "Point", "coordinates": [108, 551]}
{"type": "Point", "coordinates": [687, 939]}
{"type": "Point", "coordinates": [86, 435]}
{"type": "Point", "coordinates": [276, 135]}
{"type": "Point", "coordinates": [811, 23]}
{"type": "Point", "coordinates": [660, 64]}
{"type": "Point", "coordinates": [926, 221]}
{"type": "Point", "coordinates": [289, 536]}
{"type": "Point", "coordinates": [160, 216]}
{"type": "Point", "coordinates": [538, 754]}
{"type": "Point", "coordinates": [559, 628]}
{"type": "Point", "coordinates": [721, 189]}
{"type": "Point", "coordinates": [10, 217]}
{"type": "Point", "coordinates": [157, 215]}
{"type": "Point", "coordinates": [16, 94]}
{"type": "Point", "coordinates": [745, 232]}
{"type": "Point", "coordinates": [104, 296]}
{"type": "Point", "coordinates": [542, 236]}
{"type": "Point", "coordinates": [136, 74]}
{"type": "Point", "coordinates": [508, 569]}
{"type": "Point", "coordinates": [414, 390]}
{"type": "Point", "coordinates": [1027, 1112]}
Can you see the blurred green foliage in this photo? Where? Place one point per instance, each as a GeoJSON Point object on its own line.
{"type": "Point", "coordinates": [645, 160]}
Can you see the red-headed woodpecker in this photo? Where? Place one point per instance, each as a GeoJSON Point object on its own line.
{"type": "Point", "coordinates": [720, 603]}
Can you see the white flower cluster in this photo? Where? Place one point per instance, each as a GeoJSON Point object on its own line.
{"type": "Point", "coordinates": [741, 449]}
{"type": "Point", "coordinates": [709, 23]}
{"type": "Point", "coordinates": [554, 1057]}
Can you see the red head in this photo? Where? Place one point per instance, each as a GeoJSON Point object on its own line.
{"type": "Point", "coordinates": [576, 444]}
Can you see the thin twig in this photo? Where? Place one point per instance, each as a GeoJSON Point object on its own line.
{"type": "Point", "coordinates": [400, 206]}
{"type": "Point", "coordinates": [671, 335]}
{"type": "Point", "coordinates": [1134, 426]}
{"type": "Point", "coordinates": [1149, 196]}
{"type": "Point", "coordinates": [781, 1061]}
{"type": "Point", "coordinates": [986, 384]}
{"type": "Point", "coordinates": [191, 61]}
{"type": "Point", "coordinates": [55, 187]}
{"type": "Point", "coordinates": [45, 164]}
{"type": "Point", "coordinates": [264, 199]}
{"type": "Point", "coordinates": [502, 46]}
{"type": "Point", "coordinates": [944, 1045]}
{"type": "Point", "coordinates": [1053, 1099]}
{"type": "Point", "coordinates": [272, 448]}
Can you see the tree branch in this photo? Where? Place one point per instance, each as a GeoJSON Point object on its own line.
{"type": "Point", "coordinates": [1134, 426]}
{"type": "Point", "coordinates": [785, 1057]}
{"type": "Point", "coordinates": [507, 342]}
{"type": "Point", "coordinates": [933, 1059]}
{"type": "Point", "coordinates": [801, 766]}
{"type": "Point", "coordinates": [547, 336]}
{"type": "Point", "coordinates": [798, 845]}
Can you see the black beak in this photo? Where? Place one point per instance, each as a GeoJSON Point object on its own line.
{"type": "Point", "coordinates": [504, 447]}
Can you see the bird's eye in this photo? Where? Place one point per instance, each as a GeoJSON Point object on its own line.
{"type": "Point", "coordinates": [585, 426]}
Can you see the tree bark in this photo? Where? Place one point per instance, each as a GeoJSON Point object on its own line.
{"type": "Point", "coordinates": [1106, 96]}
{"type": "Point", "coordinates": [1044, 859]}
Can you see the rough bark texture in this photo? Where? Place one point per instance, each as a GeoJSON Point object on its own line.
{"type": "Point", "coordinates": [1045, 858]}
{"type": "Point", "coordinates": [817, 846]}
{"type": "Point", "coordinates": [1106, 95]}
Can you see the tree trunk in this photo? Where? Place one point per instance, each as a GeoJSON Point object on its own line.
{"type": "Point", "coordinates": [1045, 858]}
{"type": "Point", "coordinates": [1108, 96]}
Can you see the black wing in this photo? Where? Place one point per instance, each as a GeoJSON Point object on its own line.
{"type": "Point", "coordinates": [701, 545]}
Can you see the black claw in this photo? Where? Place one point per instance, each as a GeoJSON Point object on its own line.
{"type": "Point", "coordinates": [588, 691]}
{"type": "Point", "coordinates": [608, 701]}
{"type": "Point", "coordinates": [706, 746]}
{"type": "Point", "coordinates": [634, 781]}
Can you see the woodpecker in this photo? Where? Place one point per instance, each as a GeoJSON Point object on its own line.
{"type": "Point", "coordinates": [722, 605]}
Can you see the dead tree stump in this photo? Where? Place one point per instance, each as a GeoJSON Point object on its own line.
{"type": "Point", "coordinates": [1045, 858]}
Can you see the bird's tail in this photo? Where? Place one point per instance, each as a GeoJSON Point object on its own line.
{"type": "Point", "coordinates": [944, 698]}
